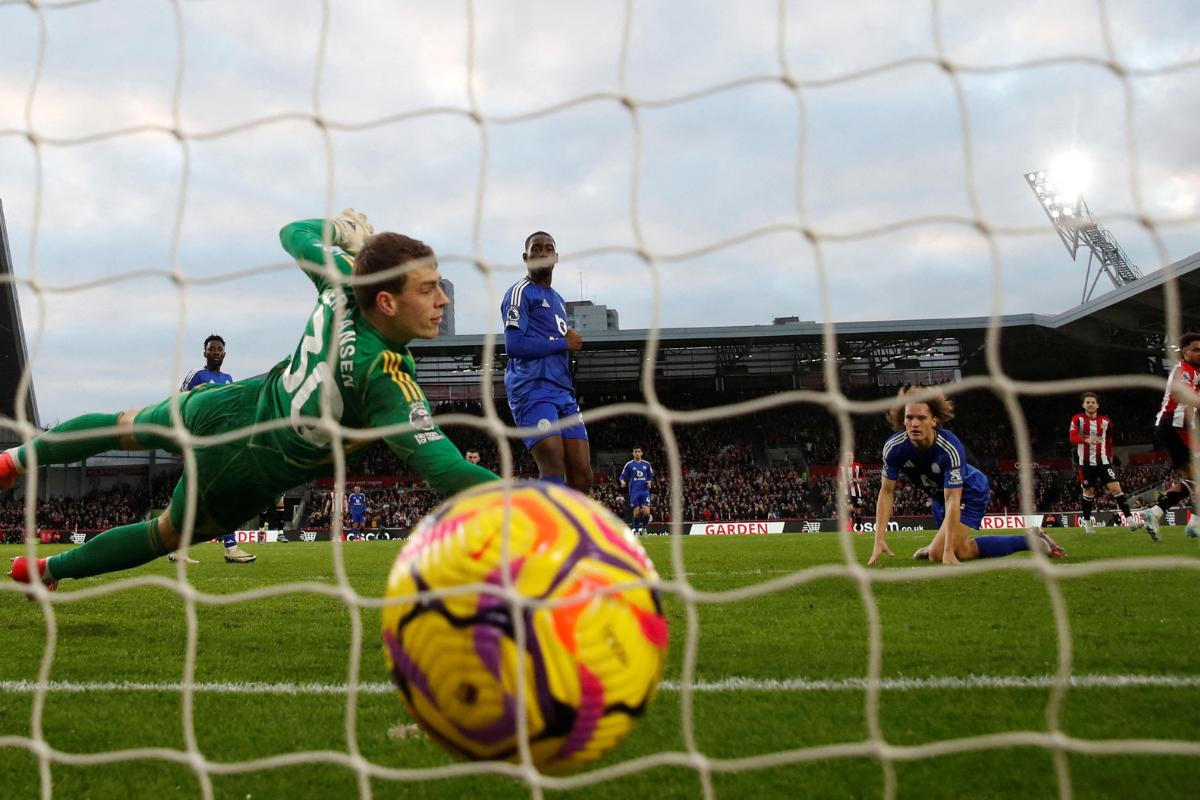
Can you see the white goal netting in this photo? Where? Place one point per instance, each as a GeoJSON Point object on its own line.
{"type": "Point", "coordinates": [702, 164]}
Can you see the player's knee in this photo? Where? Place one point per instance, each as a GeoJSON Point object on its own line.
{"type": "Point", "coordinates": [126, 420]}
{"type": "Point", "coordinates": [549, 459]}
{"type": "Point", "coordinates": [167, 534]}
{"type": "Point", "coordinates": [581, 481]}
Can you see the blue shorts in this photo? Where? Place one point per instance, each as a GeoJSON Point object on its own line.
{"type": "Point", "coordinates": [973, 509]}
{"type": "Point", "coordinates": [638, 499]}
{"type": "Point", "coordinates": [358, 518]}
{"type": "Point", "coordinates": [544, 412]}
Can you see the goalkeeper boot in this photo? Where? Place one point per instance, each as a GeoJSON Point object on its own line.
{"type": "Point", "coordinates": [8, 471]}
{"type": "Point", "coordinates": [21, 574]}
{"type": "Point", "coordinates": [1151, 517]}
{"type": "Point", "coordinates": [1051, 548]}
{"type": "Point", "coordinates": [922, 554]}
{"type": "Point", "coordinates": [236, 555]}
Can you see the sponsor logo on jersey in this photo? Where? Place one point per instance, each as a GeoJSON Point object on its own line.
{"type": "Point", "coordinates": [420, 418]}
{"type": "Point", "coordinates": [544, 303]}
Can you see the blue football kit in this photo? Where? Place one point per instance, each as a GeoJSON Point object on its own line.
{"type": "Point", "coordinates": [202, 377]}
{"type": "Point", "coordinates": [537, 377]}
{"type": "Point", "coordinates": [358, 506]}
{"type": "Point", "coordinates": [637, 475]}
{"type": "Point", "coordinates": [198, 377]}
{"type": "Point", "coordinates": [936, 468]}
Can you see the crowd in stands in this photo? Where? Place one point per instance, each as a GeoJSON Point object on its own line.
{"type": "Point", "coordinates": [726, 475]}
{"type": "Point", "coordinates": [96, 510]}
{"type": "Point", "coordinates": [394, 507]}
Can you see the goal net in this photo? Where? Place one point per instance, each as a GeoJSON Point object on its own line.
{"type": "Point", "coordinates": [702, 166]}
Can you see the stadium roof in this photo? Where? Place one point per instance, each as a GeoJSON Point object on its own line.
{"type": "Point", "coordinates": [13, 356]}
{"type": "Point", "coordinates": [1137, 310]}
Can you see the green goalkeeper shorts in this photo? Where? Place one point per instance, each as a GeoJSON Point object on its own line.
{"type": "Point", "coordinates": [229, 481]}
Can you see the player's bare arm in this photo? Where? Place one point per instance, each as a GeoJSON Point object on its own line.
{"type": "Point", "coordinates": [952, 527]}
{"type": "Point", "coordinates": [883, 515]}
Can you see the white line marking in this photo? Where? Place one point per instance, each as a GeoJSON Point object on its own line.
{"type": "Point", "coordinates": [724, 685]}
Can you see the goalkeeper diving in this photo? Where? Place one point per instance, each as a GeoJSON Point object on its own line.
{"type": "Point", "coordinates": [351, 366]}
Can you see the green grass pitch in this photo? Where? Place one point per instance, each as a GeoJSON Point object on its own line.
{"type": "Point", "coordinates": [799, 650]}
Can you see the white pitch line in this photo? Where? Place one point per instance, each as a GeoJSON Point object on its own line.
{"type": "Point", "coordinates": [786, 685]}
{"type": "Point", "coordinates": [916, 684]}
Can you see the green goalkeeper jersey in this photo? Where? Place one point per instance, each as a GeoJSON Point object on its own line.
{"type": "Point", "coordinates": [345, 366]}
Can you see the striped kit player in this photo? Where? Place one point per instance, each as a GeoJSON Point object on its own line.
{"type": "Point", "coordinates": [851, 476]}
{"type": "Point", "coordinates": [1091, 440]}
{"type": "Point", "coordinates": [1173, 429]}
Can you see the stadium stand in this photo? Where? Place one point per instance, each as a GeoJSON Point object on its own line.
{"type": "Point", "coordinates": [767, 465]}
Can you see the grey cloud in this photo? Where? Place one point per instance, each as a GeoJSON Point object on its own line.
{"type": "Point", "coordinates": [878, 150]}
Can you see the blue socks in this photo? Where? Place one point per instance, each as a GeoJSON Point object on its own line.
{"type": "Point", "coordinates": [229, 540]}
{"type": "Point", "coordinates": [557, 480]}
{"type": "Point", "coordinates": [997, 546]}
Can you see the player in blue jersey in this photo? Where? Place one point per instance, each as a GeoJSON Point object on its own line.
{"type": "Point", "coordinates": [933, 458]}
{"type": "Point", "coordinates": [358, 511]}
{"type": "Point", "coordinates": [537, 378]}
{"type": "Point", "coordinates": [214, 358]}
{"type": "Point", "coordinates": [638, 476]}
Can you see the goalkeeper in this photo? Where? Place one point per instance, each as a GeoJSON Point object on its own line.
{"type": "Point", "coordinates": [351, 366]}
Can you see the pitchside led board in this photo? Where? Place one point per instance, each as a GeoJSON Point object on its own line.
{"type": "Point", "coordinates": [992, 522]}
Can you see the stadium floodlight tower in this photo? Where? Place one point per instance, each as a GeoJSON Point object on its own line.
{"type": "Point", "coordinates": [1059, 190]}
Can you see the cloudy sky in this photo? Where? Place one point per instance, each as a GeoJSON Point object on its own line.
{"type": "Point", "coordinates": [470, 125]}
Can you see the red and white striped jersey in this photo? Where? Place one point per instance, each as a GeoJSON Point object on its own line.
{"type": "Point", "coordinates": [852, 475]}
{"type": "Point", "coordinates": [1090, 435]}
{"type": "Point", "coordinates": [1171, 410]}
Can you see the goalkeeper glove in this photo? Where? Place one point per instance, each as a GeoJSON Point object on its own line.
{"type": "Point", "coordinates": [351, 230]}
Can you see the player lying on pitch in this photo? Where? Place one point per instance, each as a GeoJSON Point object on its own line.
{"type": "Point", "coordinates": [371, 382]}
{"type": "Point", "coordinates": [933, 458]}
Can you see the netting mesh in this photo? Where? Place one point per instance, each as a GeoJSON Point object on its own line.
{"type": "Point", "coordinates": [818, 239]}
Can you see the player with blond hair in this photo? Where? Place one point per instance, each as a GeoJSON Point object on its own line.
{"type": "Point", "coordinates": [928, 455]}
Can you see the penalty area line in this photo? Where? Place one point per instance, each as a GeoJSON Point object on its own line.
{"type": "Point", "coordinates": [782, 685]}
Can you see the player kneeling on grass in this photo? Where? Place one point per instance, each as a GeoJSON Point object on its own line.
{"type": "Point", "coordinates": [933, 458]}
{"type": "Point", "coordinates": [371, 385]}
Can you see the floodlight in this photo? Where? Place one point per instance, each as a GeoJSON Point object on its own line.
{"type": "Point", "coordinates": [1072, 172]}
{"type": "Point", "coordinates": [1060, 192]}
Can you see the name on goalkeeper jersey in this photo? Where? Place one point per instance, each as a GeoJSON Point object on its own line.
{"type": "Point", "coordinates": [347, 338]}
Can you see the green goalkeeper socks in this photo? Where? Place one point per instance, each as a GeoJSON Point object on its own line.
{"type": "Point", "coordinates": [120, 548]}
{"type": "Point", "coordinates": [60, 452]}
